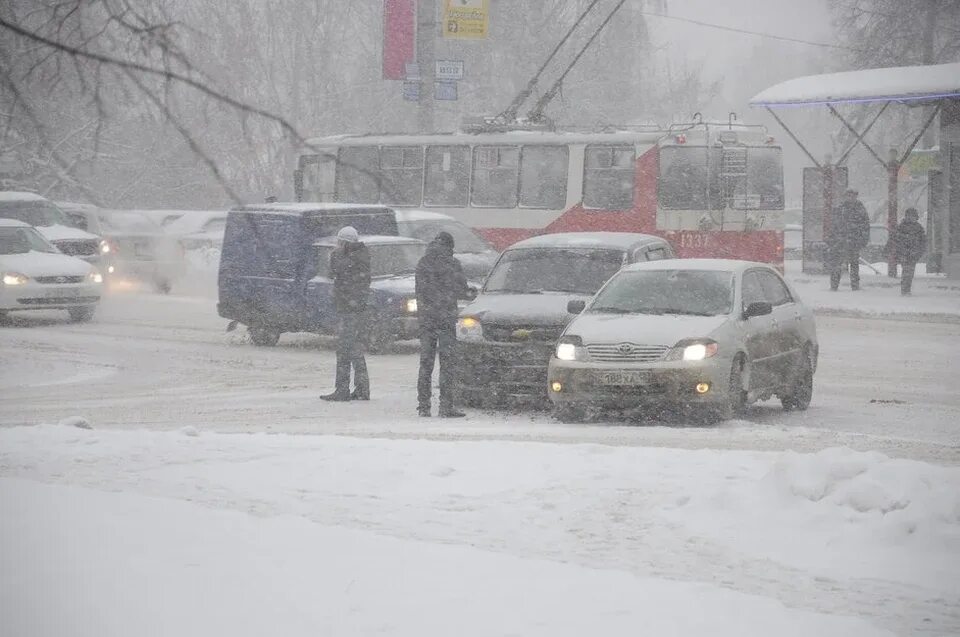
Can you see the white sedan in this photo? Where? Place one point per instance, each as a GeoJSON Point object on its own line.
{"type": "Point", "coordinates": [37, 276]}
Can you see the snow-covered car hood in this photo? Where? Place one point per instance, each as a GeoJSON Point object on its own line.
{"type": "Point", "coordinates": [34, 264]}
{"type": "Point", "coordinates": [476, 265]}
{"type": "Point", "coordinates": [522, 309]}
{"type": "Point", "coordinates": [400, 285]}
{"type": "Point", "coordinates": [643, 329]}
{"type": "Point", "coordinates": [59, 233]}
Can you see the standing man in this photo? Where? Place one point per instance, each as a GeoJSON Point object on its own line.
{"type": "Point", "coordinates": [909, 242]}
{"type": "Point", "coordinates": [849, 234]}
{"type": "Point", "coordinates": [350, 270]}
{"type": "Point", "coordinates": [440, 282]}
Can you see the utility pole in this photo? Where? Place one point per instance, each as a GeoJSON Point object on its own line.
{"type": "Point", "coordinates": [426, 56]}
{"type": "Point", "coordinates": [929, 34]}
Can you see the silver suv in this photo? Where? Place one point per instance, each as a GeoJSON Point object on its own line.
{"type": "Point", "coordinates": [706, 336]}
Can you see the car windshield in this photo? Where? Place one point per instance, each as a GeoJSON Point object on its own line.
{"type": "Point", "coordinates": [692, 292]}
{"type": "Point", "coordinates": [22, 241]}
{"type": "Point", "coordinates": [36, 213]}
{"type": "Point", "coordinates": [129, 222]}
{"type": "Point", "coordinates": [465, 239]}
{"type": "Point", "coordinates": [386, 259]}
{"type": "Point", "coordinates": [536, 270]}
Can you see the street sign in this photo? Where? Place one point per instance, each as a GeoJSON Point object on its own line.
{"type": "Point", "coordinates": [449, 70]}
{"type": "Point", "coordinates": [445, 90]}
{"type": "Point", "coordinates": [466, 19]}
{"type": "Point", "coordinates": [411, 91]}
{"type": "Point", "coordinates": [412, 71]}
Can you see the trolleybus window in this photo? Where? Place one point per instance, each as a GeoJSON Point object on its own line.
{"type": "Point", "coordinates": [495, 176]}
{"type": "Point", "coordinates": [448, 176]}
{"type": "Point", "coordinates": [401, 175]}
{"type": "Point", "coordinates": [608, 177]}
{"type": "Point", "coordinates": [318, 176]}
{"type": "Point", "coordinates": [357, 174]}
{"type": "Point", "coordinates": [543, 176]}
{"type": "Point", "coordinates": [765, 177]}
{"type": "Point", "coordinates": [685, 176]}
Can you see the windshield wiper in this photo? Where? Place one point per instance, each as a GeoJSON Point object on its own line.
{"type": "Point", "coordinates": [673, 310]}
{"type": "Point", "coordinates": [513, 291]}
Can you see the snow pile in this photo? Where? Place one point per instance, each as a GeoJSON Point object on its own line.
{"type": "Point", "coordinates": [834, 533]}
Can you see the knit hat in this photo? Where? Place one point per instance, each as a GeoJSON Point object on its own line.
{"type": "Point", "coordinates": [348, 234]}
{"type": "Point", "coordinates": [445, 239]}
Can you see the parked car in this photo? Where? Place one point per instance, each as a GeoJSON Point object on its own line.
{"type": "Point", "coordinates": [273, 279]}
{"type": "Point", "coordinates": [506, 336]}
{"type": "Point", "coordinates": [37, 276]}
{"type": "Point", "coordinates": [701, 335]}
{"type": "Point", "coordinates": [199, 229]}
{"type": "Point", "coordinates": [471, 250]}
{"type": "Point", "coordinates": [52, 223]}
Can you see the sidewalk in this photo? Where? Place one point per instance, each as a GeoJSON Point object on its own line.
{"type": "Point", "coordinates": [934, 296]}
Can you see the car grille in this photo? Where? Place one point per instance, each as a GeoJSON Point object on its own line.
{"type": "Point", "coordinates": [521, 333]}
{"type": "Point", "coordinates": [627, 353]}
{"type": "Point", "coordinates": [59, 300]}
{"type": "Point", "coordinates": [78, 247]}
{"type": "Point", "coordinates": [59, 279]}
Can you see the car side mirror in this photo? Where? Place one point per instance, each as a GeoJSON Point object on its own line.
{"type": "Point", "coordinates": [472, 293]}
{"type": "Point", "coordinates": [576, 307]}
{"type": "Point", "coordinates": [757, 308]}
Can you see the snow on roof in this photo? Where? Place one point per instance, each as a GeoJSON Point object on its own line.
{"type": "Point", "coordinates": [715, 265]}
{"type": "Point", "coordinates": [902, 83]}
{"type": "Point", "coordinates": [13, 195]}
{"type": "Point", "coordinates": [13, 223]}
{"type": "Point", "coordinates": [307, 206]}
{"type": "Point", "coordinates": [616, 240]}
{"type": "Point", "coordinates": [422, 215]}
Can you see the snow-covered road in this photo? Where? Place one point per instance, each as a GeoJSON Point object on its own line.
{"type": "Point", "coordinates": [166, 362]}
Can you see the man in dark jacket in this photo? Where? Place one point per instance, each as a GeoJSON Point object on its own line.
{"type": "Point", "coordinates": [350, 270]}
{"type": "Point", "coordinates": [440, 282]}
{"type": "Point", "coordinates": [909, 242]}
{"type": "Point", "coordinates": [849, 234]}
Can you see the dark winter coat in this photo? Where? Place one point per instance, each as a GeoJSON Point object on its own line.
{"type": "Point", "coordinates": [849, 229]}
{"type": "Point", "coordinates": [909, 241]}
{"type": "Point", "coordinates": [350, 271]}
{"type": "Point", "coordinates": [440, 282]}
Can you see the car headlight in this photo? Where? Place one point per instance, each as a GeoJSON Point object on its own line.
{"type": "Point", "coordinates": [469, 329]}
{"type": "Point", "coordinates": [693, 350]}
{"type": "Point", "coordinates": [105, 247]}
{"type": "Point", "coordinates": [410, 305]}
{"type": "Point", "coordinates": [570, 348]}
{"type": "Point", "coordinates": [14, 278]}
{"type": "Point", "coordinates": [95, 277]}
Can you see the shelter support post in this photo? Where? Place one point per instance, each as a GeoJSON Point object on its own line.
{"type": "Point", "coordinates": [794, 138]}
{"type": "Point", "coordinates": [859, 137]}
{"type": "Point", "coordinates": [893, 173]}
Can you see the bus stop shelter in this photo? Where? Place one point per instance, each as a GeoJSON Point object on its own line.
{"type": "Point", "coordinates": [935, 87]}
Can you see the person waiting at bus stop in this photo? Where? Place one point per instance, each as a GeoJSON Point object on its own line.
{"type": "Point", "coordinates": [350, 270]}
{"type": "Point", "coordinates": [909, 242]}
{"type": "Point", "coordinates": [440, 283]}
{"type": "Point", "coordinates": [849, 234]}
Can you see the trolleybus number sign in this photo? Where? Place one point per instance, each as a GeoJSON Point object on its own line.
{"type": "Point", "coordinates": [449, 70]}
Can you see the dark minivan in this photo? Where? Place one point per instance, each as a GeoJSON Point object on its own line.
{"type": "Point", "coordinates": [269, 259]}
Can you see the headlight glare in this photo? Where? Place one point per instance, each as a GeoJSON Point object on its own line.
{"type": "Point", "coordinates": [469, 329]}
{"type": "Point", "coordinates": [699, 351]}
{"type": "Point", "coordinates": [96, 277]}
{"type": "Point", "coordinates": [567, 352]}
{"type": "Point", "coordinates": [104, 247]}
{"type": "Point", "coordinates": [14, 278]}
{"type": "Point", "coordinates": [410, 306]}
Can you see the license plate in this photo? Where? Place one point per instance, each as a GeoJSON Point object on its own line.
{"type": "Point", "coordinates": [61, 293]}
{"type": "Point", "coordinates": [620, 377]}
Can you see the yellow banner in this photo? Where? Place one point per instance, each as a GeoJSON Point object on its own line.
{"type": "Point", "coordinates": [466, 19]}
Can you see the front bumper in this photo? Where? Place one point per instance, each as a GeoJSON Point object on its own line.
{"type": "Point", "coordinates": [42, 296]}
{"type": "Point", "coordinates": [507, 369]}
{"type": "Point", "coordinates": [618, 385]}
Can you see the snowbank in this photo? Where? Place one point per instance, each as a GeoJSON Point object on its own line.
{"type": "Point", "coordinates": [835, 533]}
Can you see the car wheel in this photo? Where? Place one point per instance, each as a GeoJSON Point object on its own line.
{"type": "Point", "coordinates": [802, 391]}
{"type": "Point", "coordinates": [264, 336]}
{"type": "Point", "coordinates": [737, 397]}
{"type": "Point", "coordinates": [162, 286]}
{"type": "Point", "coordinates": [4, 316]}
{"type": "Point", "coordinates": [570, 413]}
{"type": "Point", "coordinates": [82, 314]}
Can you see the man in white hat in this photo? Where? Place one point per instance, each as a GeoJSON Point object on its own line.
{"type": "Point", "coordinates": [350, 270]}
